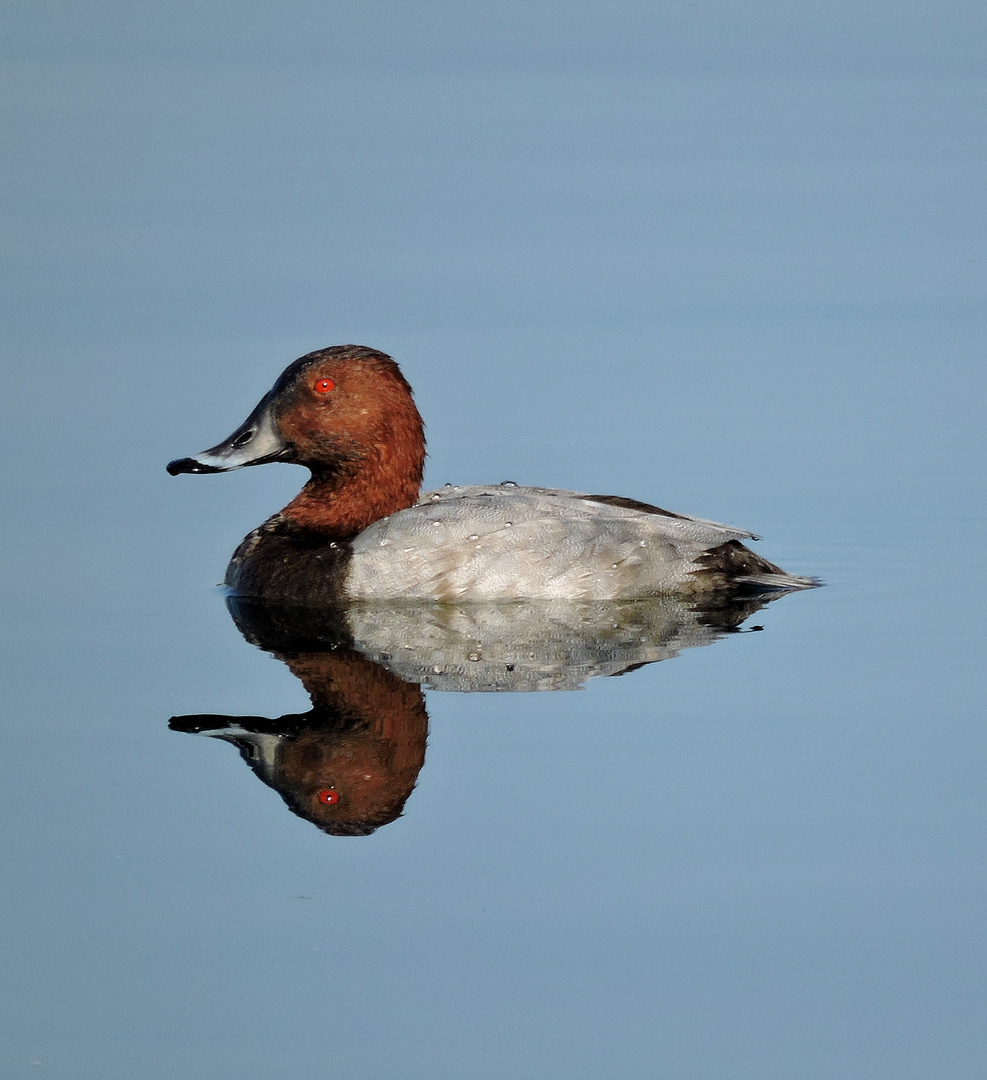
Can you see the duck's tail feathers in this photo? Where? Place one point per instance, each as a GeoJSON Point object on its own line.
{"type": "Point", "coordinates": [781, 582]}
{"type": "Point", "coordinates": [732, 565]}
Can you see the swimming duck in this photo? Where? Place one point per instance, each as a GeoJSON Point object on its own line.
{"type": "Point", "coordinates": [360, 529]}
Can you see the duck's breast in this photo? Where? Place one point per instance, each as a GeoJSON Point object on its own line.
{"type": "Point", "coordinates": [489, 543]}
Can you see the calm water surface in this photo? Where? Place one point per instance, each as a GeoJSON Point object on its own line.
{"type": "Point", "coordinates": [761, 856]}
{"type": "Point", "coordinates": [727, 265]}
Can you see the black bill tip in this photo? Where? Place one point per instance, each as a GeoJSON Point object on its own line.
{"type": "Point", "coordinates": [189, 465]}
{"type": "Point", "coordinates": [193, 723]}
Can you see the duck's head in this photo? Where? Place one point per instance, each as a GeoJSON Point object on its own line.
{"type": "Point", "coordinates": [329, 407]}
{"type": "Point", "coordinates": [347, 414]}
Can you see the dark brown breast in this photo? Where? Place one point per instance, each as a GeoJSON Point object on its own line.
{"type": "Point", "coordinates": [282, 562]}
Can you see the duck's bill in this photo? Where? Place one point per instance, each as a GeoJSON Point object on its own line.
{"type": "Point", "coordinates": [256, 441]}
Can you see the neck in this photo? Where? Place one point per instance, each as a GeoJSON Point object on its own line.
{"type": "Point", "coordinates": [342, 504]}
{"type": "Point", "coordinates": [348, 684]}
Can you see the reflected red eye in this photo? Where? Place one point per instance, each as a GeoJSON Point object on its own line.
{"type": "Point", "coordinates": [324, 386]}
{"type": "Point", "coordinates": [329, 797]}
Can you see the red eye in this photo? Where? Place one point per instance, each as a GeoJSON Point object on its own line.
{"type": "Point", "coordinates": [330, 796]}
{"type": "Point", "coordinates": [324, 386]}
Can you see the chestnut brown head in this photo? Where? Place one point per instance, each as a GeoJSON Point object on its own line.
{"type": "Point", "coordinates": [330, 410]}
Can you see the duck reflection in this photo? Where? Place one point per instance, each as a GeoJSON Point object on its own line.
{"type": "Point", "coordinates": [349, 764]}
{"type": "Point", "coordinates": [351, 761]}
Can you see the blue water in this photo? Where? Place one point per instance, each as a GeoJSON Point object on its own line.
{"type": "Point", "coordinates": [729, 261]}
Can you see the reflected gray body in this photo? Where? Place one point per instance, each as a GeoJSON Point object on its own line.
{"type": "Point", "coordinates": [520, 645]}
{"type": "Point", "coordinates": [526, 646]}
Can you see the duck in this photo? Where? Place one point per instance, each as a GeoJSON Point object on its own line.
{"type": "Point", "coordinates": [361, 529]}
